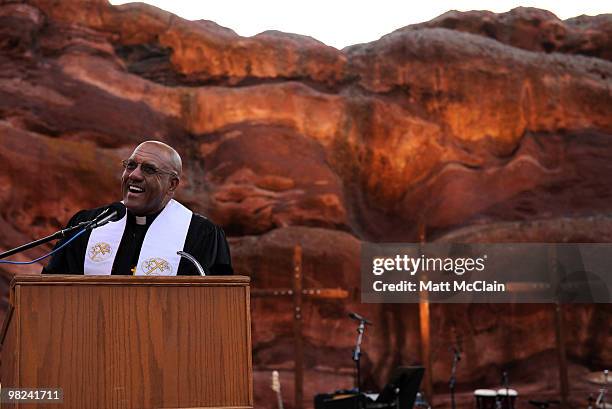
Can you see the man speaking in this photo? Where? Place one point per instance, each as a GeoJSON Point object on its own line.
{"type": "Point", "coordinates": [146, 239]}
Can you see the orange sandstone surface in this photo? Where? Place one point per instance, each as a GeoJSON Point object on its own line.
{"type": "Point", "coordinates": [471, 127]}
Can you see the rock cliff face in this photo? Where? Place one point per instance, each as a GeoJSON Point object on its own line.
{"type": "Point", "coordinates": [471, 127]}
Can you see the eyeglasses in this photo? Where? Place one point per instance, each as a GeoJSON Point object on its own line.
{"type": "Point", "coordinates": [148, 169]}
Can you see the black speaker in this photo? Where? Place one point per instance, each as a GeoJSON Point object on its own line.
{"type": "Point", "coordinates": [399, 393]}
{"type": "Point", "coordinates": [402, 386]}
{"type": "Point", "coordinates": [340, 401]}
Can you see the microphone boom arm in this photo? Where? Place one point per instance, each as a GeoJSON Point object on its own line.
{"type": "Point", "coordinates": [57, 235]}
{"type": "Point", "coordinates": [113, 212]}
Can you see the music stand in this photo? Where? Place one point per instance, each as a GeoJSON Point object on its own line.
{"type": "Point", "coordinates": [403, 385]}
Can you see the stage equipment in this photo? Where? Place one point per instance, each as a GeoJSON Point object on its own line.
{"type": "Point", "coordinates": [485, 399]}
{"type": "Point", "coordinates": [453, 378]}
{"type": "Point", "coordinates": [399, 393]}
{"type": "Point", "coordinates": [600, 402]}
{"type": "Point", "coordinates": [598, 378]}
{"type": "Point", "coordinates": [276, 387]}
{"type": "Point", "coordinates": [113, 213]}
{"type": "Point", "coordinates": [358, 317]}
{"type": "Point", "coordinates": [357, 350]}
{"type": "Point", "coordinates": [421, 402]}
{"type": "Point", "coordinates": [506, 398]}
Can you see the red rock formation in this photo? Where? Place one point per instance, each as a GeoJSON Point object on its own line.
{"type": "Point", "coordinates": [477, 126]}
{"type": "Point", "coordinates": [534, 29]}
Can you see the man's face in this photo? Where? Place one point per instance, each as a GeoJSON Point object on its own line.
{"type": "Point", "coordinates": [145, 193]}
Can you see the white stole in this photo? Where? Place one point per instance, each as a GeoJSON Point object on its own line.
{"type": "Point", "coordinates": [163, 239]}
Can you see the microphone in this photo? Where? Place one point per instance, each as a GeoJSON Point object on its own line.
{"type": "Point", "coordinates": [358, 317]}
{"type": "Point", "coordinates": [112, 213]}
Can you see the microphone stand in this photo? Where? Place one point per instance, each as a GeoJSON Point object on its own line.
{"type": "Point", "coordinates": [57, 235]}
{"type": "Point", "coordinates": [357, 353]}
{"type": "Point", "coordinates": [453, 378]}
{"type": "Point", "coordinates": [601, 398]}
{"type": "Point", "coordinates": [509, 404]}
{"type": "Point", "coordinates": [109, 214]}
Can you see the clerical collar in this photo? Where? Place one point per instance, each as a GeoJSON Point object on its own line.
{"type": "Point", "coordinates": [142, 220]}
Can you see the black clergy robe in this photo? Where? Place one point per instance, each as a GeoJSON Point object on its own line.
{"type": "Point", "coordinates": [205, 241]}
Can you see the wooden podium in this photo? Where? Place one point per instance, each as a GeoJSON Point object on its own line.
{"type": "Point", "coordinates": [130, 342]}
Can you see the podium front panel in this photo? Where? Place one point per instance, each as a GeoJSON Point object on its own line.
{"type": "Point", "coordinates": [133, 342]}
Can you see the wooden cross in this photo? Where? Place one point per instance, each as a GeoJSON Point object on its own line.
{"type": "Point", "coordinates": [297, 292]}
